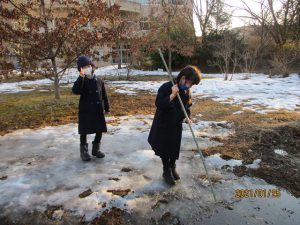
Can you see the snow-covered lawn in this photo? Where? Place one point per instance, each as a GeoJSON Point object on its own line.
{"type": "Point", "coordinates": [71, 75]}
{"type": "Point", "coordinates": [258, 93]}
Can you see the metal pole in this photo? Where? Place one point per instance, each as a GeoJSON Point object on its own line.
{"type": "Point", "coordinates": [190, 126]}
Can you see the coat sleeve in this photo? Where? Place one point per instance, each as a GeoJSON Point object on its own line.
{"type": "Point", "coordinates": [77, 87]}
{"type": "Point", "coordinates": [105, 98]}
{"type": "Point", "coordinates": [162, 101]}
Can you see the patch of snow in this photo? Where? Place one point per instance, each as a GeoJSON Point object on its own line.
{"type": "Point", "coordinates": [281, 152]}
{"type": "Point", "coordinates": [258, 93]}
{"type": "Point", "coordinates": [217, 162]}
{"type": "Point", "coordinates": [237, 112]}
{"type": "Point", "coordinates": [128, 92]}
{"type": "Point", "coordinates": [57, 214]}
{"type": "Point", "coordinates": [132, 87]}
{"type": "Point", "coordinates": [113, 71]}
{"type": "Point", "coordinates": [255, 164]}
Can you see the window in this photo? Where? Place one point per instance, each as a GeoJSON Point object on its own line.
{"type": "Point", "coordinates": [121, 54]}
{"type": "Point", "coordinates": [144, 24]}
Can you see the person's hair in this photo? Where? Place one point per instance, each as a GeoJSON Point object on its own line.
{"type": "Point", "coordinates": [191, 73]}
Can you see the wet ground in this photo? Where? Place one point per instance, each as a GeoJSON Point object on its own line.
{"type": "Point", "coordinates": [44, 181]}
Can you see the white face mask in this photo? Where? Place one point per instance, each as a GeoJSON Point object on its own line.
{"type": "Point", "coordinates": [88, 72]}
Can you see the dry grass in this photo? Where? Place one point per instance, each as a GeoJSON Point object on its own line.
{"type": "Point", "coordinates": [38, 109]}
{"type": "Point", "coordinates": [247, 126]}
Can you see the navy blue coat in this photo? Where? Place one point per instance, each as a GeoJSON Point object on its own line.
{"type": "Point", "coordinates": [91, 109]}
{"type": "Point", "coordinates": [166, 130]}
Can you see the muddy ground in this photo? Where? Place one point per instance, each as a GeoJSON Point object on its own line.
{"type": "Point", "coordinates": [257, 136]}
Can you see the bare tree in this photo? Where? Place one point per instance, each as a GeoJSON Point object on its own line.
{"type": "Point", "coordinates": [283, 58]}
{"type": "Point", "coordinates": [250, 52]}
{"type": "Point", "coordinates": [203, 10]}
{"type": "Point", "coordinates": [277, 22]}
{"type": "Point", "coordinates": [221, 17]}
{"type": "Point", "coordinates": [249, 59]}
{"type": "Point", "coordinates": [234, 58]}
{"type": "Point", "coordinates": [223, 53]}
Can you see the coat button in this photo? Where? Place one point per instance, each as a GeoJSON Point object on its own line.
{"type": "Point", "coordinates": [96, 91]}
{"type": "Point", "coordinates": [98, 103]}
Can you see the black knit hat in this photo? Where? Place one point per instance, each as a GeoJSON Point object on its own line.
{"type": "Point", "coordinates": [83, 61]}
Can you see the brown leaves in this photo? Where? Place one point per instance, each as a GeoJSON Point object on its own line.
{"type": "Point", "coordinates": [42, 30]}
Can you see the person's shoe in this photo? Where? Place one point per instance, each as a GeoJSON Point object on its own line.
{"type": "Point", "coordinates": [84, 152]}
{"type": "Point", "coordinates": [168, 176]}
{"type": "Point", "coordinates": [174, 172]}
{"type": "Point", "coordinates": [96, 151]}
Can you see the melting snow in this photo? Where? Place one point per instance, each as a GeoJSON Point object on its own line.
{"type": "Point", "coordinates": [43, 168]}
{"type": "Point", "coordinates": [280, 152]}
{"type": "Point", "coordinates": [216, 161]}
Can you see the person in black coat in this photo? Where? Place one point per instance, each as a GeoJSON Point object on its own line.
{"type": "Point", "coordinates": [92, 104]}
{"type": "Point", "coordinates": [166, 130]}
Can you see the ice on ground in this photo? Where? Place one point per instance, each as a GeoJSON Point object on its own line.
{"type": "Point", "coordinates": [42, 167]}
{"type": "Point", "coordinates": [51, 172]}
{"type": "Point", "coordinates": [217, 162]}
{"type": "Point", "coordinates": [255, 164]}
{"type": "Point", "coordinates": [281, 152]}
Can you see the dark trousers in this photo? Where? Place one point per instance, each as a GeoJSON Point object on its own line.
{"type": "Point", "coordinates": [97, 139]}
{"type": "Point", "coordinates": [168, 162]}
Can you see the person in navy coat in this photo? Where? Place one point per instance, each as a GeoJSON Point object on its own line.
{"type": "Point", "coordinates": [166, 130]}
{"type": "Point", "coordinates": [92, 105]}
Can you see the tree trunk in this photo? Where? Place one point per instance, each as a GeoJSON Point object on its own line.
{"type": "Point", "coordinates": [225, 76]}
{"type": "Point", "coordinates": [56, 79]}
{"type": "Point", "coordinates": [56, 87]}
{"type": "Point", "coordinates": [128, 72]}
{"type": "Point", "coordinates": [120, 57]}
{"type": "Point", "coordinates": [203, 40]}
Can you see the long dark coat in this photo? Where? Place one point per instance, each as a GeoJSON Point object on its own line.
{"type": "Point", "coordinates": [93, 101]}
{"type": "Point", "coordinates": [166, 131]}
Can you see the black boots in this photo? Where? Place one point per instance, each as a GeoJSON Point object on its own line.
{"type": "Point", "coordinates": [96, 150]}
{"type": "Point", "coordinates": [174, 172]}
{"type": "Point", "coordinates": [84, 152]}
{"type": "Point", "coordinates": [169, 174]}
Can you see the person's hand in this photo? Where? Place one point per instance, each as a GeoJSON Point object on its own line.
{"type": "Point", "coordinates": [187, 121]}
{"type": "Point", "coordinates": [107, 112]}
{"type": "Point", "coordinates": [81, 72]}
{"type": "Point", "coordinates": [175, 90]}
